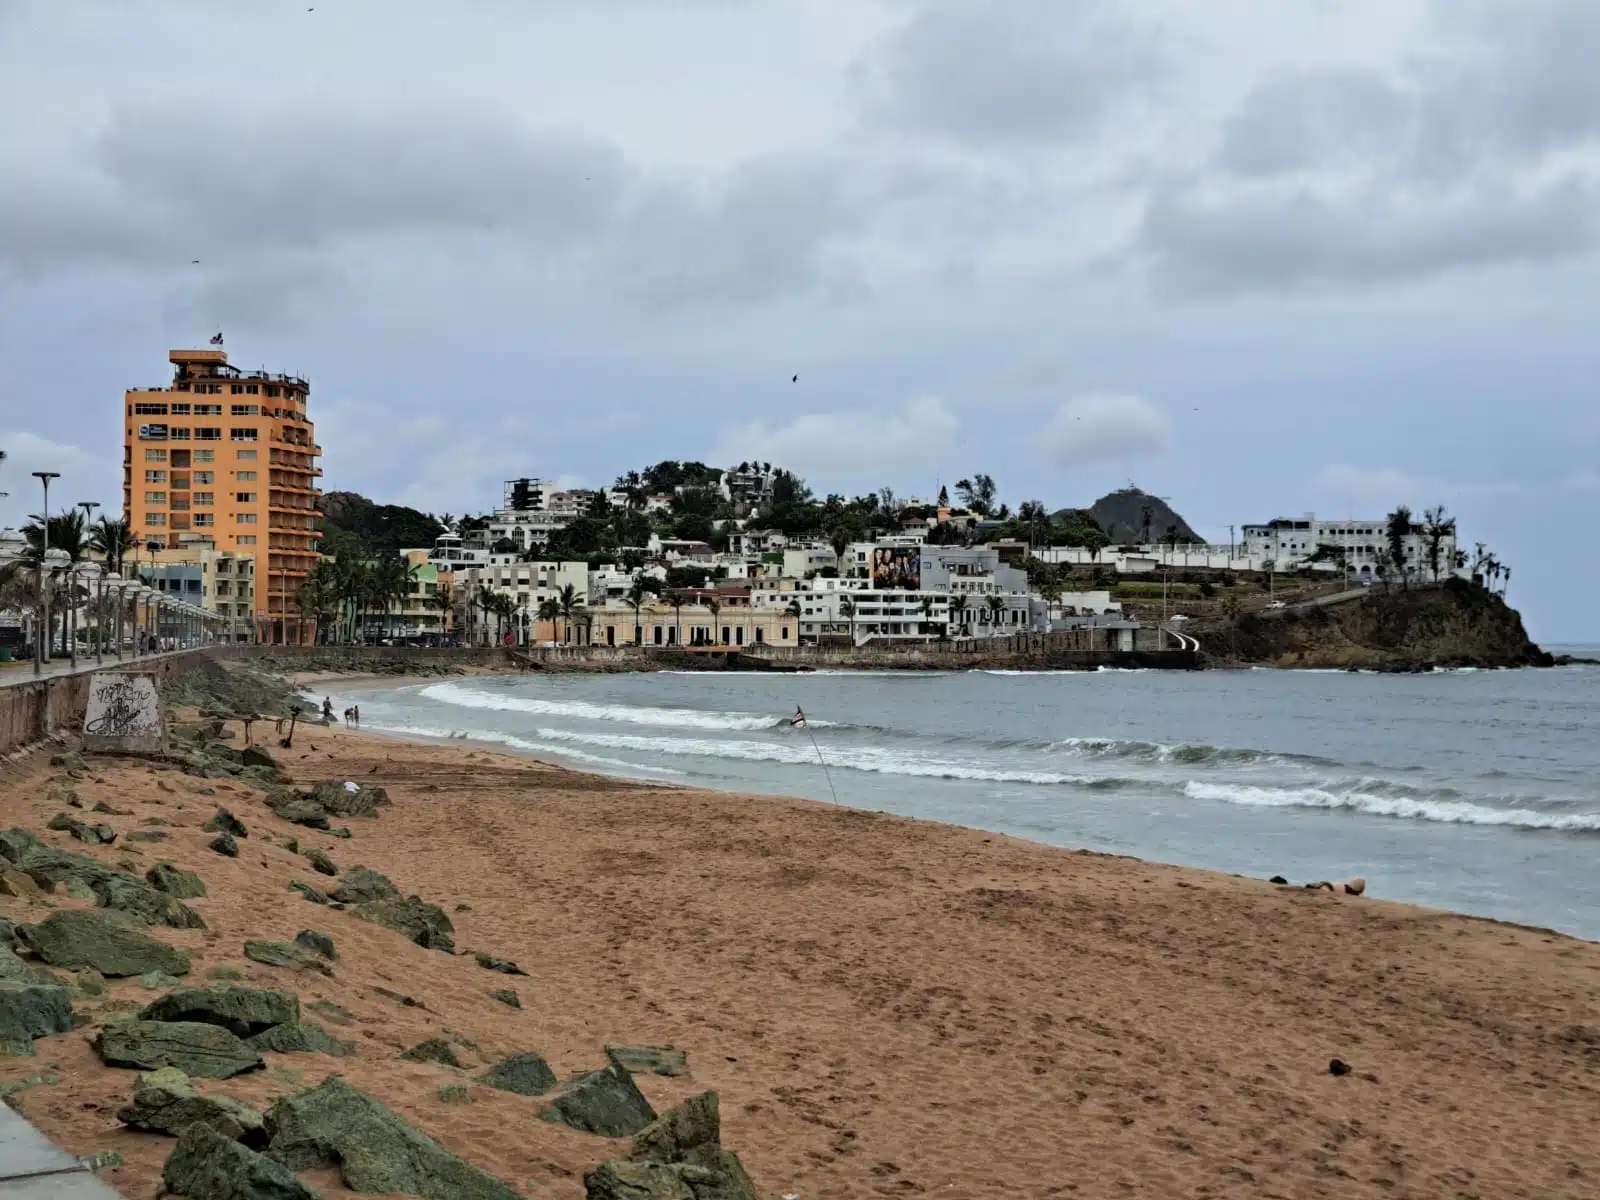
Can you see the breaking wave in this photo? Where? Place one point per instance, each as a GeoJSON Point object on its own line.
{"type": "Point", "coordinates": [1368, 798]}
{"type": "Point", "coordinates": [584, 710]}
{"type": "Point", "coordinates": [516, 743]}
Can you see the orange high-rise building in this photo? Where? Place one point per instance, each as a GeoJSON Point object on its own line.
{"type": "Point", "coordinates": [228, 457]}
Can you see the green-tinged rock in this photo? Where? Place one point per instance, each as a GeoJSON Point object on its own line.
{"type": "Point", "coordinates": [506, 996]}
{"type": "Point", "coordinates": [22, 886]}
{"type": "Point", "coordinates": [713, 1174]}
{"type": "Point", "coordinates": [694, 1123]}
{"type": "Point", "coordinates": [204, 1051]}
{"type": "Point", "coordinates": [320, 861]}
{"type": "Point", "coordinates": [77, 889]}
{"type": "Point", "coordinates": [315, 895]}
{"type": "Point", "coordinates": [30, 1010]}
{"type": "Point", "coordinates": [316, 943]}
{"type": "Point", "coordinates": [62, 792]}
{"type": "Point", "coordinates": [12, 1046]}
{"type": "Point", "coordinates": [73, 938]}
{"type": "Point", "coordinates": [362, 885]}
{"type": "Point", "coordinates": [224, 821]}
{"type": "Point", "coordinates": [15, 969]}
{"type": "Point", "coordinates": [255, 756]}
{"type": "Point", "coordinates": [132, 895]}
{"type": "Point", "coordinates": [165, 1101]}
{"type": "Point", "coordinates": [243, 1011]}
{"type": "Point", "coordinates": [504, 965]}
{"type": "Point", "coordinates": [649, 1060]}
{"type": "Point", "coordinates": [90, 982]}
{"type": "Point", "coordinates": [100, 806]}
{"type": "Point", "coordinates": [226, 973]}
{"type": "Point", "coordinates": [343, 831]}
{"type": "Point", "coordinates": [423, 923]}
{"type": "Point", "coordinates": [71, 762]}
{"type": "Point", "coordinates": [605, 1102]}
{"type": "Point", "coordinates": [303, 1037]}
{"type": "Point", "coordinates": [328, 1010]}
{"type": "Point", "coordinates": [17, 1086]}
{"type": "Point", "coordinates": [524, 1074]}
{"type": "Point", "coordinates": [224, 844]}
{"type": "Point", "coordinates": [206, 1165]}
{"type": "Point", "coordinates": [155, 980]}
{"type": "Point", "coordinates": [286, 806]}
{"type": "Point", "coordinates": [339, 801]}
{"type": "Point", "coordinates": [147, 836]}
{"type": "Point", "coordinates": [92, 835]}
{"type": "Point", "coordinates": [282, 954]}
{"type": "Point", "coordinates": [175, 881]}
{"type": "Point", "coordinates": [435, 1050]}
{"type": "Point", "coordinates": [375, 1149]}
{"type": "Point", "coordinates": [454, 1093]}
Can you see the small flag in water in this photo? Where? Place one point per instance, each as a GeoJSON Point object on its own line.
{"type": "Point", "coordinates": [217, 340]}
{"type": "Point", "coordinates": [799, 717]}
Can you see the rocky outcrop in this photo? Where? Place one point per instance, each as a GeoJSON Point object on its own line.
{"type": "Point", "coordinates": [197, 1049]}
{"type": "Point", "coordinates": [133, 896]}
{"type": "Point", "coordinates": [302, 1037]}
{"type": "Point", "coordinates": [315, 895]}
{"type": "Point", "coordinates": [678, 1157]}
{"type": "Point", "coordinates": [165, 1101]}
{"type": "Point", "coordinates": [74, 938]}
{"type": "Point", "coordinates": [320, 862]}
{"type": "Point", "coordinates": [337, 800]}
{"type": "Point", "coordinates": [375, 1149]}
{"type": "Point", "coordinates": [524, 1074]}
{"type": "Point", "coordinates": [435, 1050]}
{"type": "Point", "coordinates": [287, 806]}
{"type": "Point", "coordinates": [504, 965]}
{"type": "Point", "coordinates": [362, 885]}
{"type": "Point", "coordinates": [506, 996]}
{"type": "Point", "coordinates": [31, 1010]}
{"type": "Point", "coordinates": [651, 1060]}
{"type": "Point", "coordinates": [242, 1011]}
{"type": "Point", "coordinates": [283, 954]}
{"type": "Point", "coordinates": [206, 1165]}
{"type": "Point", "coordinates": [175, 881]}
{"type": "Point", "coordinates": [223, 821]}
{"type": "Point", "coordinates": [421, 922]}
{"type": "Point", "coordinates": [605, 1102]}
{"type": "Point", "coordinates": [110, 888]}
{"type": "Point", "coordinates": [92, 835]}
{"type": "Point", "coordinates": [316, 943]}
{"type": "Point", "coordinates": [224, 844]}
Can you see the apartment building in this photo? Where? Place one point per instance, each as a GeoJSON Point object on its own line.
{"type": "Point", "coordinates": [1288, 543]}
{"type": "Point", "coordinates": [228, 457]}
{"type": "Point", "coordinates": [220, 581]}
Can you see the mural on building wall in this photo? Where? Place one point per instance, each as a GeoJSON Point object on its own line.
{"type": "Point", "coordinates": [897, 568]}
{"type": "Point", "coordinates": [124, 713]}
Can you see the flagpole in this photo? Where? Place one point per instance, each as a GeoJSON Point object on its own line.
{"type": "Point", "coordinates": [826, 774]}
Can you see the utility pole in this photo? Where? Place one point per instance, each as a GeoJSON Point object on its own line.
{"type": "Point", "coordinates": [39, 653]}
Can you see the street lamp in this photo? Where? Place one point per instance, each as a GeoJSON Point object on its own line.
{"type": "Point", "coordinates": [88, 507]}
{"type": "Point", "coordinates": [40, 654]}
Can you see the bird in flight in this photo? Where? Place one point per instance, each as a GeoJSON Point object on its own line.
{"type": "Point", "coordinates": [796, 379]}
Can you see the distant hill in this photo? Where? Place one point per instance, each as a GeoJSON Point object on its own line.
{"type": "Point", "coordinates": [1121, 515]}
{"type": "Point", "coordinates": [354, 526]}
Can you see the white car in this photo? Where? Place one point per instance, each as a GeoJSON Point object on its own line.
{"type": "Point", "coordinates": [1277, 604]}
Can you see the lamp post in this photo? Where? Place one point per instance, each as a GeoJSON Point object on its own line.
{"type": "Point", "coordinates": [40, 654]}
{"type": "Point", "coordinates": [88, 507]}
{"type": "Point", "coordinates": [117, 589]}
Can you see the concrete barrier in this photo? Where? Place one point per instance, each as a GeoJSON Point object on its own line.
{"type": "Point", "coordinates": [33, 709]}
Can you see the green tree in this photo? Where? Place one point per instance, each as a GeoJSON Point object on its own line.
{"type": "Point", "coordinates": [112, 539]}
{"type": "Point", "coordinates": [569, 602]}
{"type": "Point", "coordinates": [1437, 526]}
{"type": "Point", "coordinates": [636, 599]}
{"type": "Point", "coordinates": [847, 608]}
{"type": "Point", "coordinates": [1396, 529]}
{"type": "Point", "coordinates": [996, 606]}
{"type": "Point", "coordinates": [958, 611]}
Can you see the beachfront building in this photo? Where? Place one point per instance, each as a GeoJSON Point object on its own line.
{"type": "Point", "coordinates": [527, 585]}
{"type": "Point", "coordinates": [1363, 545]}
{"type": "Point", "coordinates": [228, 457]}
{"type": "Point", "coordinates": [219, 581]}
{"type": "Point", "coordinates": [683, 620]}
{"type": "Point", "coordinates": [802, 562]}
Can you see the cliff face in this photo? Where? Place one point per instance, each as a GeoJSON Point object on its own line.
{"type": "Point", "coordinates": [1454, 624]}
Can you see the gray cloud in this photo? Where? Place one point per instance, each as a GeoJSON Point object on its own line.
{"type": "Point", "coordinates": [1018, 71]}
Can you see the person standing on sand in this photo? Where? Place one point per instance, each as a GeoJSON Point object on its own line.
{"type": "Point", "coordinates": [327, 711]}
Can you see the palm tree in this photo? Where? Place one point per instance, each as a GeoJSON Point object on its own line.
{"type": "Point", "coordinates": [958, 610]}
{"type": "Point", "coordinates": [927, 612]}
{"type": "Point", "coordinates": [570, 602]}
{"type": "Point", "coordinates": [548, 610]}
{"type": "Point", "coordinates": [715, 606]}
{"type": "Point", "coordinates": [66, 532]}
{"type": "Point", "coordinates": [485, 604]}
{"type": "Point", "coordinates": [635, 599]}
{"type": "Point", "coordinates": [677, 613]}
{"type": "Point", "coordinates": [443, 599]}
{"type": "Point", "coordinates": [792, 609]}
{"type": "Point", "coordinates": [839, 539]}
{"type": "Point", "coordinates": [112, 539]}
{"type": "Point", "coordinates": [847, 607]}
{"type": "Point", "coordinates": [996, 606]}
{"type": "Point", "coordinates": [505, 607]}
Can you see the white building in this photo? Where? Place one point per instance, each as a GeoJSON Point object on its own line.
{"type": "Point", "coordinates": [1286, 544]}
{"type": "Point", "coordinates": [801, 562]}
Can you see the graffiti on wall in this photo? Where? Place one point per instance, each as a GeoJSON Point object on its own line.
{"type": "Point", "coordinates": [124, 713]}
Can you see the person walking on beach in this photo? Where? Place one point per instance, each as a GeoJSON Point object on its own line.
{"type": "Point", "coordinates": [327, 711]}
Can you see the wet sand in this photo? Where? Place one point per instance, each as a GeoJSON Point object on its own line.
{"type": "Point", "coordinates": [888, 1007]}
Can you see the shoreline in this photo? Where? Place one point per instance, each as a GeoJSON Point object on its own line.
{"type": "Point", "coordinates": [885, 1005]}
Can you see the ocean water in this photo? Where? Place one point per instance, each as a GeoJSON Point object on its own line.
{"type": "Point", "coordinates": [1477, 791]}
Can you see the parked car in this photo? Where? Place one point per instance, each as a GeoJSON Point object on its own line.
{"type": "Point", "coordinates": [1277, 604]}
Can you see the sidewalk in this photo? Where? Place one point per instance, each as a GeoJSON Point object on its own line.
{"type": "Point", "coordinates": [22, 672]}
{"type": "Point", "coordinates": [31, 1168]}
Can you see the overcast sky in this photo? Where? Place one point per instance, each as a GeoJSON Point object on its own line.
{"type": "Point", "coordinates": [1259, 258]}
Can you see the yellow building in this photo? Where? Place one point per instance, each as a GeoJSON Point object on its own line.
{"type": "Point", "coordinates": [219, 581]}
{"type": "Point", "coordinates": [228, 457]}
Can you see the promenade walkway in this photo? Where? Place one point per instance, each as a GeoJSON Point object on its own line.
{"type": "Point", "coordinates": [13, 673]}
{"type": "Point", "coordinates": [33, 1168]}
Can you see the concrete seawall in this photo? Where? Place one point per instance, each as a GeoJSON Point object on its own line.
{"type": "Point", "coordinates": [31, 709]}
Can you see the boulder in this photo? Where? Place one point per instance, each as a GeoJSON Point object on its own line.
{"type": "Point", "coordinates": [14, 969]}
{"type": "Point", "coordinates": [100, 806]}
{"type": "Point", "coordinates": [671, 1136]}
{"type": "Point", "coordinates": [243, 1011]}
{"type": "Point", "coordinates": [75, 938]}
{"type": "Point", "coordinates": [198, 1049]}
{"type": "Point", "coordinates": [605, 1102]}
{"type": "Point", "coordinates": [425, 924]}
{"type": "Point", "coordinates": [506, 996]}
{"type": "Point", "coordinates": [164, 1101]}
{"type": "Point", "coordinates": [207, 1165]}
{"type": "Point", "coordinates": [61, 791]}
{"type": "Point", "coordinates": [524, 1074]}
{"type": "Point", "coordinates": [132, 895]}
{"type": "Point", "coordinates": [156, 980]}
{"type": "Point", "coordinates": [303, 1037]}
{"type": "Point", "coordinates": [317, 943]}
{"type": "Point", "coordinates": [255, 756]}
{"type": "Point", "coordinates": [147, 836]}
{"type": "Point", "coordinates": [21, 885]}
{"type": "Point", "coordinates": [722, 1177]}
{"type": "Point", "coordinates": [92, 835]}
{"type": "Point", "coordinates": [315, 895]}
{"type": "Point", "coordinates": [649, 1060]}
{"type": "Point", "coordinates": [71, 762]}
{"type": "Point", "coordinates": [339, 801]}
{"type": "Point", "coordinates": [175, 881]}
{"type": "Point", "coordinates": [223, 821]}
{"type": "Point", "coordinates": [224, 844]}
{"type": "Point", "coordinates": [289, 807]}
{"type": "Point", "coordinates": [435, 1050]}
{"type": "Point", "coordinates": [29, 1010]}
{"type": "Point", "coordinates": [282, 954]}
{"type": "Point", "coordinates": [376, 1150]}
{"type": "Point", "coordinates": [504, 965]}
{"type": "Point", "coordinates": [320, 861]}
{"type": "Point", "coordinates": [361, 885]}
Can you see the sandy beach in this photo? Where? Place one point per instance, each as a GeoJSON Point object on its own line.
{"type": "Point", "coordinates": [887, 1007]}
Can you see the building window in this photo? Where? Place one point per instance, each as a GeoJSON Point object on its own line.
{"type": "Point", "coordinates": [246, 410]}
{"type": "Point", "coordinates": [204, 519]}
{"type": "Point", "coordinates": [208, 410]}
{"type": "Point", "coordinates": [149, 410]}
{"type": "Point", "coordinates": [180, 522]}
{"type": "Point", "coordinates": [204, 477]}
{"type": "Point", "coordinates": [155, 520]}
{"type": "Point", "coordinates": [246, 539]}
{"type": "Point", "coordinates": [272, 391]}
{"type": "Point", "coordinates": [155, 456]}
{"type": "Point", "coordinates": [251, 389]}
{"type": "Point", "coordinates": [206, 498]}
{"type": "Point", "coordinates": [155, 476]}
{"type": "Point", "coordinates": [245, 497]}
{"type": "Point", "coordinates": [180, 410]}
{"type": "Point", "coordinates": [208, 433]}
{"type": "Point", "coordinates": [205, 456]}
{"type": "Point", "coordinates": [237, 389]}
{"type": "Point", "coordinates": [246, 476]}
{"type": "Point", "coordinates": [247, 455]}
{"type": "Point", "coordinates": [155, 497]}
{"type": "Point", "coordinates": [243, 435]}
{"type": "Point", "coordinates": [246, 518]}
